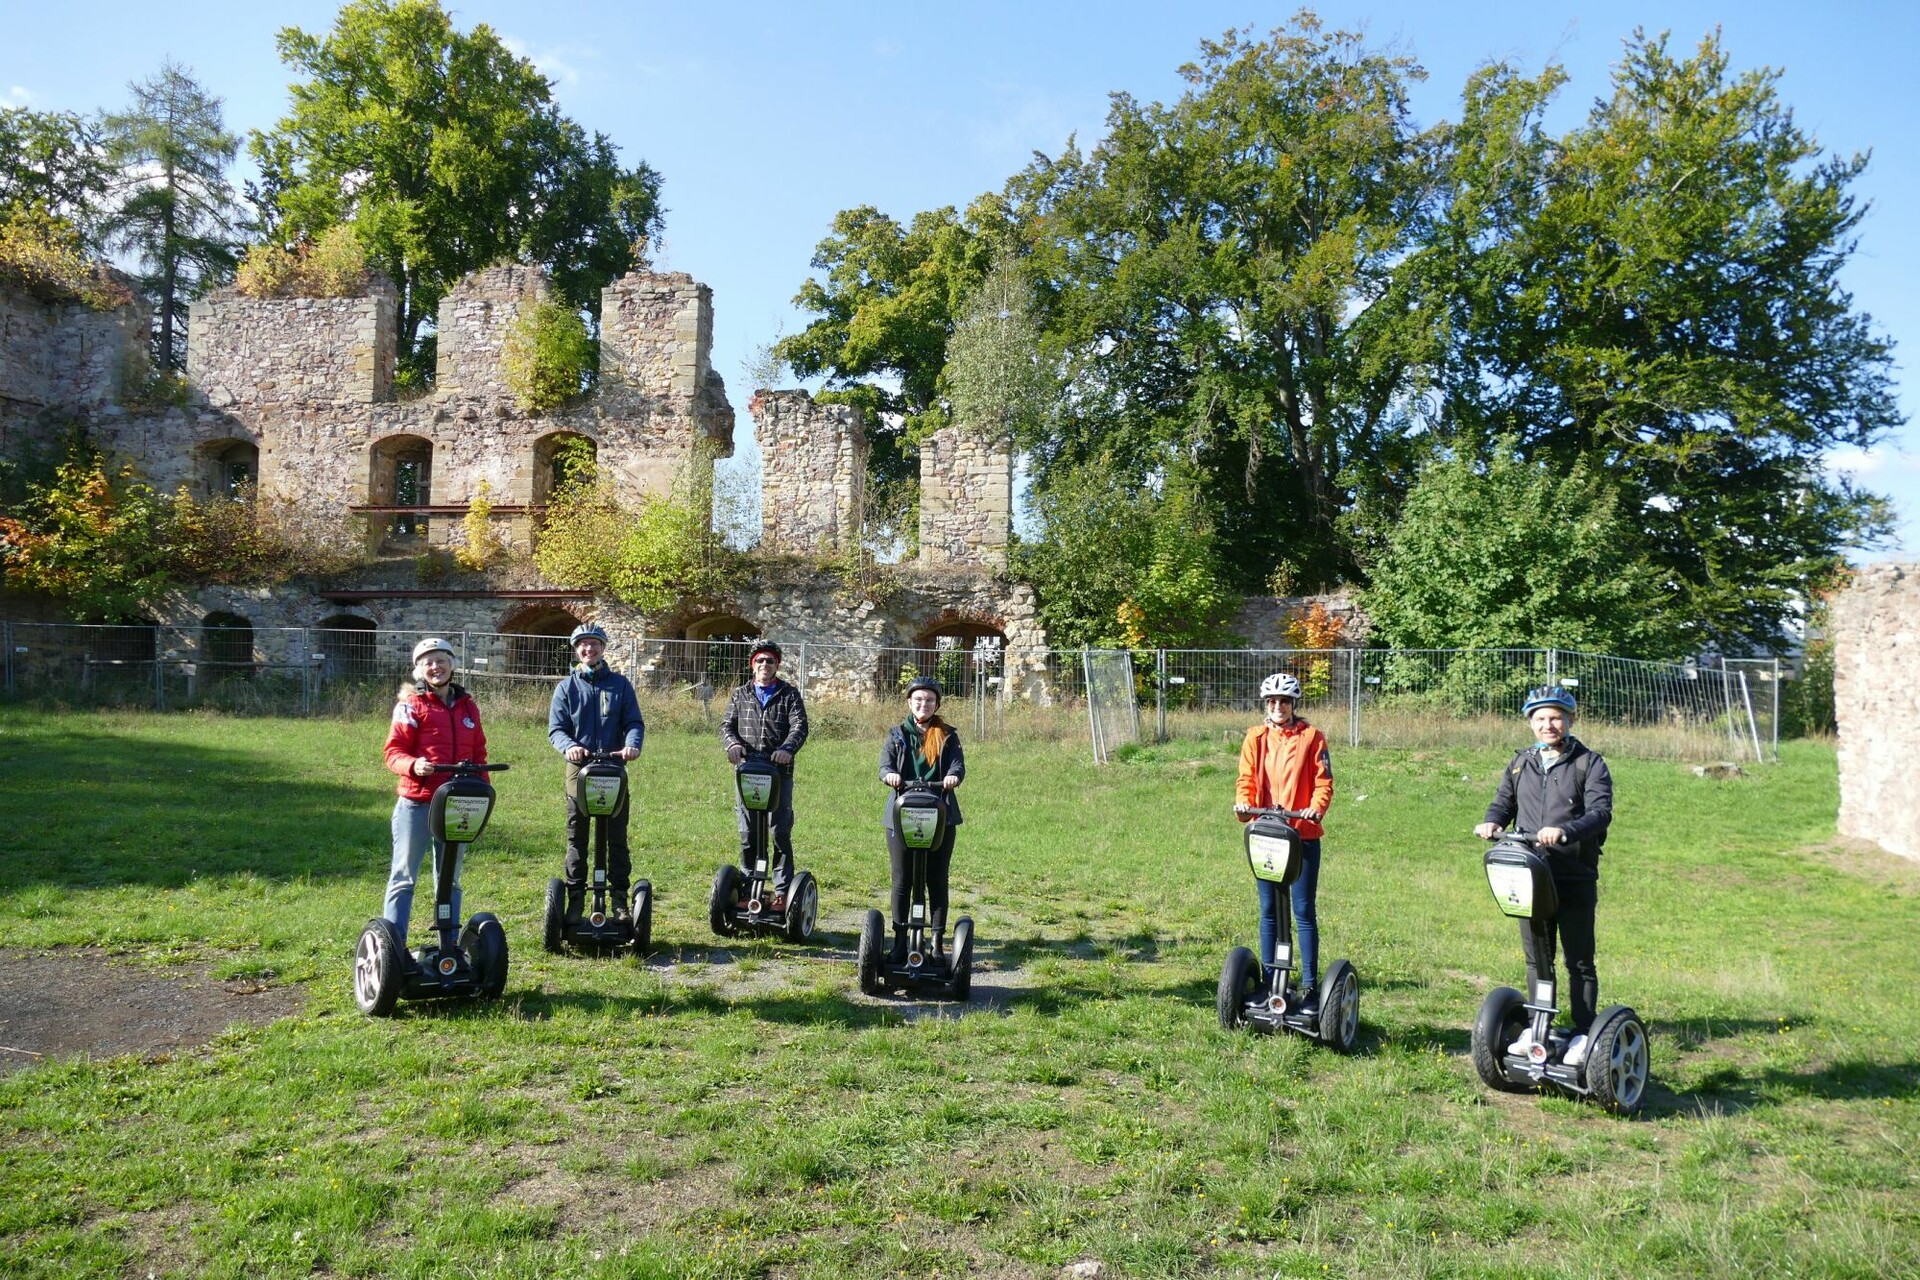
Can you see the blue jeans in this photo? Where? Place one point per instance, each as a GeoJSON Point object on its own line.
{"type": "Point", "coordinates": [412, 836]}
{"type": "Point", "coordinates": [1306, 946]}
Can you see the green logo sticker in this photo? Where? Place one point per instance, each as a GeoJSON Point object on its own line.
{"type": "Point", "coordinates": [1512, 889]}
{"type": "Point", "coordinates": [756, 790]}
{"type": "Point", "coordinates": [918, 827]}
{"type": "Point", "coordinates": [465, 817]}
{"type": "Point", "coordinates": [600, 794]}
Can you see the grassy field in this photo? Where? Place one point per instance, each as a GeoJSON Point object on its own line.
{"type": "Point", "coordinates": [743, 1111]}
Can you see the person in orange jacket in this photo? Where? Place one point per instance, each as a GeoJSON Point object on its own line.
{"type": "Point", "coordinates": [435, 721]}
{"type": "Point", "coordinates": [1284, 765]}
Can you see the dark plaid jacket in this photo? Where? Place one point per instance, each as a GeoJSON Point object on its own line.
{"type": "Point", "coordinates": [781, 725]}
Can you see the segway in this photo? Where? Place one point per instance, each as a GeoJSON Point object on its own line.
{"type": "Point", "coordinates": [1267, 1001]}
{"type": "Point", "coordinates": [743, 900]}
{"type": "Point", "coordinates": [603, 786]}
{"type": "Point", "coordinates": [1616, 1071]}
{"type": "Point", "coordinates": [920, 814]}
{"type": "Point", "coordinates": [468, 962]}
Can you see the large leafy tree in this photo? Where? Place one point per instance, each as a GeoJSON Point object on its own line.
{"type": "Point", "coordinates": [53, 165]}
{"type": "Point", "coordinates": [1657, 293]}
{"type": "Point", "coordinates": [1224, 286]}
{"type": "Point", "coordinates": [178, 217]}
{"type": "Point", "coordinates": [446, 152]}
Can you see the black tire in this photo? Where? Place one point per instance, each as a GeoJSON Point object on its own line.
{"type": "Point", "coordinates": [1503, 1016]}
{"type": "Point", "coordinates": [556, 932]}
{"type": "Point", "coordinates": [872, 945]}
{"type": "Point", "coordinates": [640, 913]}
{"type": "Point", "coordinates": [803, 907]}
{"type": "Point", "coordinates": [962, 958]}
{"type": "Point", "coordinates": [1619, 1062]}
{"type": "Point", "coordinates": [723, 899]}
{"type": "Point", "coordinates": [1340, 1007]}
{"type": "Point", "coordinates": [1239, 981]}
{"type": "Point", "coordinates": [485, 942]}
{"type": "Point", "coordinates": [377, 968]}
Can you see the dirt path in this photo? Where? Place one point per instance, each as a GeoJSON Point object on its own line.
{"type": "Point", "coordinates": [71, 1001]}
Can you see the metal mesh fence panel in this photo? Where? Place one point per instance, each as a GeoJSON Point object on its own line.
{"type": "Point", "coordinates": [1113, 707]}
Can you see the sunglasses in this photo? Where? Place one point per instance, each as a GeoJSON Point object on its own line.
{"type": "Point", "coordinates": [766, 662]}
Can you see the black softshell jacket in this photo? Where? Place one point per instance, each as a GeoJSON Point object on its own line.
{"type": "Point", "coordinates": [1556, 797]}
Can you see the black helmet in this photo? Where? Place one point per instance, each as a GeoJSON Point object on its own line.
{"type": "Point", "coordinates": [764, 646]}
{"type": "Point", "coordinates": [929, 683]}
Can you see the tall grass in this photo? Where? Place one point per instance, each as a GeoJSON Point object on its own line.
{"type": "Point", "coordinates": [740, 1110]}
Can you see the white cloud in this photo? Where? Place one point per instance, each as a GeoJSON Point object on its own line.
{"type": "Point", "coordinates": [554, 64]}
{"type": "Point", "coordinates": [1851, 460]}
{"type": "Point", "coordinates": [18, 96]}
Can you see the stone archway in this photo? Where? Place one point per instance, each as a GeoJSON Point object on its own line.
{"type": "Point", "coordinates": [960, 651]}
{"type": "Point", "coordinates": [536, 641]}
{"type": "Point", "coordinates": [226, 647]}
{"type": "Point", "coordinates": [711, 655]}
{"type": "Point", "coordinates": [349, 647]}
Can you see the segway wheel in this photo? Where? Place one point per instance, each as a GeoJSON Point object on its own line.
{"type": "Point", "coordinates": [377, 968]}
{"type": "Point", "coordinates": [872, 943]}
{"type": "Point", "coordinates": [1239, 980]}
{"type": "Point", "coordinates": [962, 958]}
{"type": "Point", "coordinates": [1619, 1063]}
{"type": "Point", "coordinates": [556, 932]}
{"type": "Point", "coordinates": [640, 912]}
{"type": "Point", "coordinates": [485, 943]}
{"type": "Point", "coordinates": [1340, 1007]}
{"type": "Point", "coordinates": [1503, 1016]}
{"type": "Point", "coordinates": [803, 907]}
{"type": "Point", "coordinates": [723, 899]}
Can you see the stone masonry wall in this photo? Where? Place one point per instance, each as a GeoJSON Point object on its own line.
{"type": "Point", "coordinates": [813, 468]}
{"type": "Point", "coordinates": [1261, 621]}
{"type": "Point", "coordinates": [1875, 626]}
{"type": "Point", "coordinates": [68, 356]}
{"type": "Point", "coordinates": [266, 353]}
{"type": "Point", "coordinates": [475, 317]}
{"type": "Point", "coordinates": [966, 499]}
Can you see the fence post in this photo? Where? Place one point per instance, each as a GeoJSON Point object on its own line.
{"type": "Point", "coordinates": [1353, 697]}
{"type": "Point", "coordinates": [801, 683]}
{"type": "Point", "coordinates": [1160, 693]}
{"type": "Point", "coordinates": [159, 673]}
{"type": "Point", "coordinates": [1553, 666]}
{"type": "Point", "coordinates": [6, 635]}
{"type": "Point", "coordinates": [1775, 734]}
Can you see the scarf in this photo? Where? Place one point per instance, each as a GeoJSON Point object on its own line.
{"type": "Point", "coordinates": [925, 745]}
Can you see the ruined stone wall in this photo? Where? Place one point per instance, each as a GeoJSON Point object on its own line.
{"type": "Point", "coordinates": [1875, 627]}
{"type": "Point", "coordinates": [966, 499]}
{"type": "Point", "coordinates": [66, 357]}
{"type": "Point", "coordinates": [1261, 621]}
{"type": "Point", "coordinates": [267, 353]}
{"type": "Point", "coordinates": [813, 472]}
{"type": "Point", "coordinates": [475, 317]}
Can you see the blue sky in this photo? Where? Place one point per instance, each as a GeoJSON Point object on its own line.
{"type": "Point", "coordinates": [767, 118]}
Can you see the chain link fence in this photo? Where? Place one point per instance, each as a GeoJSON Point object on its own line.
{"type": "Point", "coordinates": [1372, 697]}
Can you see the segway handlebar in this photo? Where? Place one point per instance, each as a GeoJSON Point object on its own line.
{"type": "Point", "coordinates": [605, 757]}
{"type": "Point", "coordinates": [1289, 814]}
{"type": "Point", "coordinates": [468, 766]}
{"type": "Point", "coordinates": [1524, 837]}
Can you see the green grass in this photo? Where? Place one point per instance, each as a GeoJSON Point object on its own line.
{"type": "Point", "coordinates": [742, 1111]}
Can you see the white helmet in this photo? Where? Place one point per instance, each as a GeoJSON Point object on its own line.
{"type": "Point", "coordinates": [1280, 685]}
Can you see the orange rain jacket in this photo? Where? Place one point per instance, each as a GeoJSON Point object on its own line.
{"type": "Point", "coordinates": [1286, 768]}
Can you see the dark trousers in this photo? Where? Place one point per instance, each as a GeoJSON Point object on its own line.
{"type": "Point", "coordinates": [579, 859]}
{"type": "Point", "coordinates": [779, 835]}
{"type": "Point", "coordinates": [1574, 925]}
{"type": "Point", "coordinates": [1305, 892]}
{"type": "Point", "coordinates": [939, 861]}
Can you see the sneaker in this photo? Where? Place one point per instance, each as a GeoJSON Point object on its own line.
{"type": "Point", "coordinates": [1576, 1051]}
{"type": "Point", "coordinates": [1519, 1048]}
{"type": "Point", "coordinates": [1308, 1000]}
{"type": "Point", "coordinates": [779, 903]}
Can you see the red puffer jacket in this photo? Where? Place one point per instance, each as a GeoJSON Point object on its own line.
{"type": "Point", "coordinates": [426, 727]}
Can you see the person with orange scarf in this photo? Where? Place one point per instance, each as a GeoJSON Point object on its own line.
{"type": "Point", "coordinates": [922, 748]}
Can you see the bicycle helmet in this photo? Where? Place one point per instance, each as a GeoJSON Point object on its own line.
{"type": "Point", "coordinates": [587, 631]}
{"type": "Point", "coordinates": [928, 683]}
{"type": "Point", "coordinates": [1280, 685]}
{"type": "Point", "coordinates": [1547, 695]}
{"type": "Point", "coordinates": [432, 644]}
{"type": "Point", "coordinates": [764, 646]}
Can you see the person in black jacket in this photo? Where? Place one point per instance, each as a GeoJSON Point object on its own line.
{"type": "Point", "coordinates": [594, 708]}
{"type": "Point", "coordinates": [766, 716]}
{"type": "Point", "coordinates": [922, 748]}
{"type": "Point", "coordinates": [1562, 792]}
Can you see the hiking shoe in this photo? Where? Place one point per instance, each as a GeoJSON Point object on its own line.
{"type": "Point", "coordinates": [1576, 1051]}
{"type": "Point", "coordinates": [1308, 1000]}
{"type": "Point", "coordinates": [1519, 1048]}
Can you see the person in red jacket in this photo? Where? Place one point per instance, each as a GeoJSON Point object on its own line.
{"type": "Point", "coordinates": [1284, 765]}
{"type": "Point", "coordinates": [435, 721]}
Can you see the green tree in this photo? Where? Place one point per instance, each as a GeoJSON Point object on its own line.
{"type": "Point", "coordinates": [1657, 293]}
{"type": "Point", "coordinates": [96, 537]}
{"type": "Point", "coordinates": [446, 152]}
{"type": "Point", "coordinates": [652, 555]}
{"type": "Point", "coordinates": [885, 305]}
{"type": "Point", "coordinates": [1507, 553]}
{"type": "Point", "coordinates": [179, 217]}
{"type": "Point", "coordinates": [998, 379]}
{"type": "Point", "coordinates": [53, 162]}
{"type": "Point", "coordinates": [1224, 289]}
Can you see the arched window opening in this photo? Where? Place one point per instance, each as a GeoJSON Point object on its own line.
{"type": "Point", "coordinates": [226, 647]}
{"type": "Point", "coordinates": [349, 649]}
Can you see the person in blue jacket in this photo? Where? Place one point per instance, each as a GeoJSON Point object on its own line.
{"type": "Point", "coordinates": [595, 709]}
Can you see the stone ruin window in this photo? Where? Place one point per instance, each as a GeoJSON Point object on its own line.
{"type": "Point", "coordinates": [560, 459]}
{"type": "Point", "coordinates": [226, 647]}
{"type": "Point", "coordinates": [401, 479]}
{"type": "Point", "coordinates": [230, 468]}
{"type": "Point", "coordinates": [349, 648]}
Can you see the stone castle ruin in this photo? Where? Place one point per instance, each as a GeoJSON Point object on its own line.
{"type": "Point", "coordinates": [1876, 649]}
{"type": "Point", "coordinates": [296, 396]}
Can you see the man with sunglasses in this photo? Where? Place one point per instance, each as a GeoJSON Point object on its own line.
{"type": "Point", "coordinates": [767, 717]}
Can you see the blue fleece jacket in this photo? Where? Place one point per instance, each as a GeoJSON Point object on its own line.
{"type": "Point", "coordinates": [595, 708]}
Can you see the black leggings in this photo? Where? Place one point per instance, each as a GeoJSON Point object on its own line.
{"type": "Point", "coordinates": [938, 862]}
{"type": "Point", "coordinates": [1574, 924]}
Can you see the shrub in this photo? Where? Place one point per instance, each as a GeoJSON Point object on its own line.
{"type": "Point", "coordinates": [335, 267]}
{"type": "Point", "coordinates": [41, 254]}
{"type": "Point", "coordinates": [547, 357]}
{"type": "Point", "coordinates": [481, 546]}
{"type": "Point", "coordinates": [256, 539]}
{"type": "Point", "coordinates": [650, 557]}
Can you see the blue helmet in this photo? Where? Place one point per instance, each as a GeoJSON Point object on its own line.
{"type": "Point", "coordinates": [1547, 695]}
{"type": "Point", "coordinates": [587, 631]}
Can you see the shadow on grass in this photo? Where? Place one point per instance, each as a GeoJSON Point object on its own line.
{"type": "Point", "coordinates": [1737, 1088]}
{"type": "Point", "coordinates": [103, 810]}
